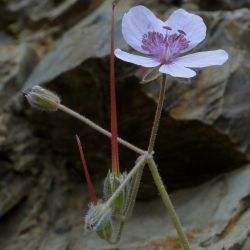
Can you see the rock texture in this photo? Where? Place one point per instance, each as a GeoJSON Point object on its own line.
{"type": "Point", "coordinates": [203, 140]}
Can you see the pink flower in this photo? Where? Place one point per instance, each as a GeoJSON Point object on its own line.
{"type": "Point", "coordinates": [163, 43]}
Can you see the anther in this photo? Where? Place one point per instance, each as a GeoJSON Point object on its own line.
{"type": "Point", "coordinates": [182, 32]}
{"type": "Point", "coordinates": [167, 28]}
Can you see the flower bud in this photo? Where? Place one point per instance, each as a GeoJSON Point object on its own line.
{"type": "Point", "coordinates": [106, 232]}
{"type": "Point", "coordinates": [42, 99]}
{"type": "Point", "coordinates": [111, 183]}
{"type": "Point", "coordinates": [99, 219]}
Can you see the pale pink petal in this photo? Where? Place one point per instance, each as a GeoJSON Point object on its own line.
{"type": "Point", "coordinates": [192, 25]}
{"type": "Point", "coordinates": [139, 21]}
{"type": "Point", "coordinates": [203, 59]}
{"type": "Point", "coordinates": [138, 60]}
{"type": "Point", "coordinates": [177, 70]}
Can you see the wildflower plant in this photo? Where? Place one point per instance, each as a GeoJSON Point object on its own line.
{"type": "Point", "coordinates": [163, 47]}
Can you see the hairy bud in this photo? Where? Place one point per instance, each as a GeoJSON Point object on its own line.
{"type": "Point", "coordinates": [99, 219]}
{"type": "Point", "coordinates": [42, 99]}
{"type": "Point", "coordinates": [111, 183]}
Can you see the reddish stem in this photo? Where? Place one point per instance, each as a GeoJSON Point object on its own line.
{"type": "Point", "coordinates": [114, 132]}
{"type": "Point", "coordinates": [85, 168]}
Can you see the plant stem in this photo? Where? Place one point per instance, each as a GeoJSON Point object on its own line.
{"type": "Point", "coordinates": [118, 236]}
{"type": "Point", "coordinates": [168, 204]}
{"type": "Point", "coordinates": [157, 115]}
{"type": "Point", "coordinates": [98, 128]}
{"type": "Point", "coordinates": [134, 191]}
{"type": "Point", "coordinates": [141, 160]}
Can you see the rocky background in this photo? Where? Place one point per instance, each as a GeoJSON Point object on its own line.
{"type": "Point", "coordinates": [203, 148]}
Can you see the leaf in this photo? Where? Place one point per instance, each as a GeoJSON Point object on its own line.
{"type": "Point", "coordinates": [151, 75]}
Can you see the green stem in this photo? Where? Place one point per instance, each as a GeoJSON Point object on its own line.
{"type": "Point", "coordinates": [157, 115]}
{"type": "Point", "coordinates": [98, 128]}
{"type": "Point", "coordinates": [118, 236]}
{"type": "Point", "coordinates": [129, 209]}
{"type": "Point", "coordinates": [168, 204]}
{"type": "Point", "coordinates": [134, 191]}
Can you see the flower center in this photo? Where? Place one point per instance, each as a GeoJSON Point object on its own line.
{"type": "Point", "coordinates": [167, 47]}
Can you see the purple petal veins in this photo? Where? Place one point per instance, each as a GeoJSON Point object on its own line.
{"type": "Point", "coordinates": [164, 47]}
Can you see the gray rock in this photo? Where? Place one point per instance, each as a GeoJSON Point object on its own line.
{"type": "Point", "coordinates": [204, 132]}
{"type": "Point", "coordinates": [16, 64]}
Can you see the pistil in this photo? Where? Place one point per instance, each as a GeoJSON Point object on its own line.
{"type": "Point", "coordinates": [114, 132]}
{"type": "Point", "coordinates": [92, 193]}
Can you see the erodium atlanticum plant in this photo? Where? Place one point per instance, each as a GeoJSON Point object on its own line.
{"type": "Point", "coordinates": [163, 45]}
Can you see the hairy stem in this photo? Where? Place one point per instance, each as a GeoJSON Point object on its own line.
{"type": "Point", "coordinates": [99, 128]}
{"type": "Point", "coordinates": [157, 115]}
{"type": "Point", "coordinates": [134, 191]}
{"type": "Point", "coordinates": [168, 204]}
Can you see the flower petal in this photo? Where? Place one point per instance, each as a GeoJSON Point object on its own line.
{"type": "Point", "coordinates": [203, 59]}
{"type": "Point", "coordinates": [176, 70]}
{"type": "Point", "coordinates": [139, 21]}
{"type": "Point", "coordinates": [138, 60]}
{"type": "Point", "coordinates": [192, 25]}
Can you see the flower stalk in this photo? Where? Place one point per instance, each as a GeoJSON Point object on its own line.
{"type": "Point", "coordinates": [168, 204]}
{"type": "Point", "coordinates": [98, 128]}
{"type": "Point", "coordinates": [155, 173]}
{"type": "Point", "coordinates": [157, 115]}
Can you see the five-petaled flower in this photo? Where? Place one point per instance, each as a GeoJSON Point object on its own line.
{"type": "Point", "coordinates": [164, 43]}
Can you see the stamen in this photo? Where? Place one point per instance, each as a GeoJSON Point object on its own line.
{"type": "Point", "coordinates": [182, 32]}
{"type": "Point", "coordinates": [167, 28]}
{"type": "Point", "coordinates": [153, 42]}
{"type": "Point", "coordinates": [165, 47]}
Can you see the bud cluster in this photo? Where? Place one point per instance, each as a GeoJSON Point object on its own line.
{"type": "Point", "coordinates": [100, 216]}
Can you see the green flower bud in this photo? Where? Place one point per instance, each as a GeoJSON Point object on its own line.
{"type": "Point", "coordinates": [111, 183]}
{"type": "Point", "coordinates": [106, 232]}
{"type": "Point", "coordinates": [42, 99]}
{"type": "Point", "coordinates": [99, 219]}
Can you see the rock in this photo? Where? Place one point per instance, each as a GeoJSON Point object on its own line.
{"type": "Point", "coordinates": [64, 13]}
{"type": "Point", "coordinates": [12, 194]}
{"type": "Point", "coordinates": [224, 4]}
{"type": "Point", "coordinates": [77, 46]}
{"type": "Point", "coordinates": [203, 132]}
{"type": "Point", "coordinates": [225, 221]}
{"type": "Point", "coordinates": [16, 63]}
